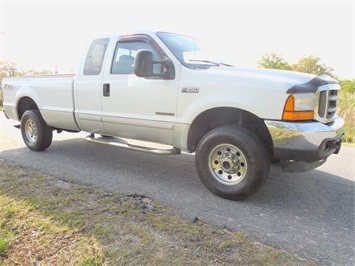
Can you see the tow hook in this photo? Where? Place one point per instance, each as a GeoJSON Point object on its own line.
{"type": "Point", "coordinates": [334, 144]}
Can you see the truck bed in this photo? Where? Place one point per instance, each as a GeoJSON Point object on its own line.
{"type": "Point", "coordinates": [53, 94]}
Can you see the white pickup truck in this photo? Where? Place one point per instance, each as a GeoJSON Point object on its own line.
{"type": "Point", "coordinates": [161, 87]}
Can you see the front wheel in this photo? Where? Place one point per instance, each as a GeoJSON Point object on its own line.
{"type": "Point", "coordinates": [36, 134]}
{"type": "Point", "coordinates": [232, 162]}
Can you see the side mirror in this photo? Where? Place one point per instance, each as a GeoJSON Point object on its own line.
{"type": "Point", "coordinates": [144, 65]}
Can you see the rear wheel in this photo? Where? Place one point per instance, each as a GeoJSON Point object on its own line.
{"type": "Point", "coordinates": [232, 162]}
{"type": "Point", "coordinates": [36, 134]}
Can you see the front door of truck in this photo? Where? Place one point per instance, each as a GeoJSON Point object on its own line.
{"type": "Point", "coordinates": [134, 107]}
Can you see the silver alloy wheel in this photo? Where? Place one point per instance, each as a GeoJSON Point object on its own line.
{"type": "Point", "coordinates": [228, 164]}
{"type": "Point", "coordinates": [31, 131]}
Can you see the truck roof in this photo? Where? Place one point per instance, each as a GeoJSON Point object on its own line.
{"type": "Point", "coordinates": [132, 33]}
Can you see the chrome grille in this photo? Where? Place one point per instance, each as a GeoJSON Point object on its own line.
{"type": "Point", "coordinates": [327, 99]}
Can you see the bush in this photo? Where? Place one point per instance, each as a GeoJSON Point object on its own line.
{"type": "Point", "coordinates": [348, 85]}
{"type": "Point", "coordinates": [349, 136]}
{"type": "Point", "coordinates": [347, 106]}
{"type": "Point", "coordinates": [347, 112]}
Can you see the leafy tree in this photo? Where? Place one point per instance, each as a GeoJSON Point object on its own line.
{"type": "Point", "coordinates": [9, 69]}
{"type": "Point", "coordinates": [312, 65]}
{"type": "Point", "coordinates": [348, 85]}
{"type": "Point", "coordinates": [307, 64]}
{"type": "Point", "coordinates": [273, 60]}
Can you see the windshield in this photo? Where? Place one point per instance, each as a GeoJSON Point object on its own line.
{"type": "Point", "coordinates": [189, 51]}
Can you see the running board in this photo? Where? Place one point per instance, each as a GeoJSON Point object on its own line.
{"type": "Point", "coordinates": [118, 142]}
{"type": "Point", "coordinates": [17, 126]}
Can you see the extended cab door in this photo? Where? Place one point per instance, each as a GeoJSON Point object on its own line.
{"type": "Point", "coordinates": [133, 107]}
{"type": "Point", "coordinates": [88, 90]}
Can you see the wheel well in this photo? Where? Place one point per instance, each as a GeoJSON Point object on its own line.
{"type": "Point", "coordinates": [25, 104]}
{"type": "Point", "coordinates": [223, 116]}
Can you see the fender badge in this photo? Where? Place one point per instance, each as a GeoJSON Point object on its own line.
{"type": "Point", "coordinates": [190, 90]}
{"type": "Point", "coordinates": [8, 87]}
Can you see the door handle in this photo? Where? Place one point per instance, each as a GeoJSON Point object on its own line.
{"type": "Point", "coordinates": [106, 90]}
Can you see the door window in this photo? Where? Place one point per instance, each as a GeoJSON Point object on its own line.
{"type": "Point", "coordinates": [125, 54]}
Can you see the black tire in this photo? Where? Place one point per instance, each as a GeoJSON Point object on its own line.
{"type": "Point", "coordinates": [232, 162]}
{"type": "Point", "coordinates": [36, 134]}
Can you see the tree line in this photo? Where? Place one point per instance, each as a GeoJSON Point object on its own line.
{"type": "Point", "coordinates": [10, 69]}
{"type": "Point", "coordinates": [308, 64]}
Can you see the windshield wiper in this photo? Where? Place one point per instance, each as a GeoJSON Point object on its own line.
{"type": "Point", "coordinates": [205, 61]}
{"type": "Point", "coordinates": [210, 62]}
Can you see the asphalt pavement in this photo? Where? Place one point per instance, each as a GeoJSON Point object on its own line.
{"type": "Point", "coordinates": [311, 214]}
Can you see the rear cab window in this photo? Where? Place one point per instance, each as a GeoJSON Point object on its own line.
{"type": "Point", "coordinates": [95, 57]}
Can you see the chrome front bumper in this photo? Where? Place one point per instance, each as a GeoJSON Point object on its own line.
{"type": "Point", "coordinates": [305, 141]}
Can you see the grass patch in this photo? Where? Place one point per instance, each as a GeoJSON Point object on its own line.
{"type": "Point", "coordinates": [349, 136]}
{"type": "Point", "coordinates": [4, 243]}
{"type": "Point", "coordinates": [46, 221]}
{"type": "Point", "coordinates": [29, 237]}
{"type": "Point", "coordinates": [347, 112]}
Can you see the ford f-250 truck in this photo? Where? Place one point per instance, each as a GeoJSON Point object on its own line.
{"type": "Point", "coordinates": [161, 87]}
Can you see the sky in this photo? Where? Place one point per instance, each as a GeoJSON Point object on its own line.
{"type": "Point", "coordinates": [54, 34]}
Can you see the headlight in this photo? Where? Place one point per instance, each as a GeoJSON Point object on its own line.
{"type": "Point", "coordinates": [299, 107]}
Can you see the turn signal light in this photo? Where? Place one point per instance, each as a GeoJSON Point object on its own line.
{"type": "Point", "coordinates": [290, 114]}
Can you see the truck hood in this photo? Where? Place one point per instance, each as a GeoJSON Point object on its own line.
{"type": "Point", "coordinates": [297, 81]}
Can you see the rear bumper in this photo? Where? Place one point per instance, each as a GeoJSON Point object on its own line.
{"type": "Point", "coordinates": [305, 141]}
